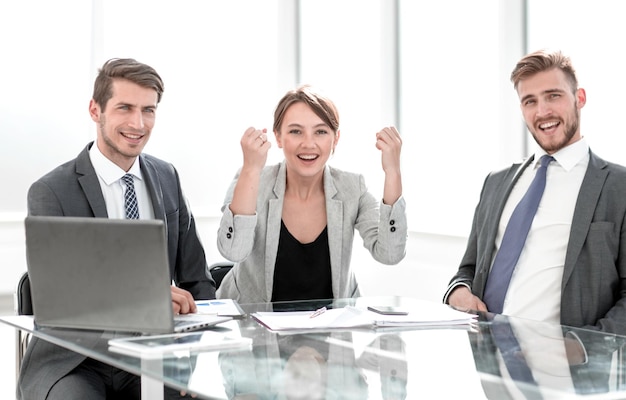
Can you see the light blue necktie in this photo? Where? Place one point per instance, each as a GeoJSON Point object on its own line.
{"type": "Point", "coordinates": [130, 198]}
{"type": "Point", "coordinates": [513, 240]}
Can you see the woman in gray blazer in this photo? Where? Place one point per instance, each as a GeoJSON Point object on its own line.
{"type": "Point", "coordinates": [289, 227]}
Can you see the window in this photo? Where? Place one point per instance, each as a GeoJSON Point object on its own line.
{"type": "Point", "coordinates": [439, 72]}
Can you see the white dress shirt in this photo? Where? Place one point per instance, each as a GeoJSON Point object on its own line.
{"type": "Point", "coordinates": [535, 288]}
{"type": "Point", "coordinates": [110, 177]}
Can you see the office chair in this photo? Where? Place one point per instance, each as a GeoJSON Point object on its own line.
{"type": "Point", "coordinates": [218, 270]}
{"type": "Point", "coordinates": [23, 306]}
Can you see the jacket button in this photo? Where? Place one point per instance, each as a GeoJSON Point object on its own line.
{"type": "Point", "coordinates": [230, 229]}
{"type": "Point", "coordinates": [392, 222]}
{"type": "Point", "coordinates": [228, 235]}
{"type": "Point", "coordinates": [392, 229]}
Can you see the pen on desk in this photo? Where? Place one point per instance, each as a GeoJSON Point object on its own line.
{"type": "Point", "coordinates": [318, 312]}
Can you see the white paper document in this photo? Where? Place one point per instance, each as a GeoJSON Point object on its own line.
{"type": "Point", "coordinates": [429, 315]}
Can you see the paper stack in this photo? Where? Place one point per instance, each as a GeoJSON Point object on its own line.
{"type": "Point", "coordinates": [427, 315]}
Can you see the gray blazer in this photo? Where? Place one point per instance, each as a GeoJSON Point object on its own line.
{"type": "Point", "coordinates": [594, 276]}
{"type": "Point", "coordinates": [73, 189]}
{"type": "Point", "coordinates": [252, 241]}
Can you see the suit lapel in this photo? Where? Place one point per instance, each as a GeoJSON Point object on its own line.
{"type": "Point", "coordinates": [334, 220]}
{"type": "Point", "coordinates": [274, 216]}
{"type": "Point", "coordinates": [90, 184]}
{"type": "Point", "coordinates": [507, 184]}
{"type": "Point", "coordinates": [588, 196]}
{"type": "Point", "coordinates": [153, 183]}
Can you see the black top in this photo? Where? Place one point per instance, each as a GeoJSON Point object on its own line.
{"type": "Point", "coordinates": [302, 271]}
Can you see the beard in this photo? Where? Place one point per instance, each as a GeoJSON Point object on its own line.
{"type": "Point", "coordinates": [569, 131]}
{"type": "Point", "coordinates": [114, 149]}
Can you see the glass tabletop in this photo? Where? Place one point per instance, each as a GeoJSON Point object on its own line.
{"type": "Point", "coordinates": [495, 358]}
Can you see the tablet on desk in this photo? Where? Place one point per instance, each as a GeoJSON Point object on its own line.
{"type": "Point", "coordinates": [156, 346]}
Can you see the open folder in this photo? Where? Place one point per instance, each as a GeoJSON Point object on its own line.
{"type": "Point", "coordinates": [428, 315]}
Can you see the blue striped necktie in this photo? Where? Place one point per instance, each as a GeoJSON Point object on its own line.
{"type": "Point", "coordinates": [513, 240]}
{"type": "Point", "coordinates": [130, 198]}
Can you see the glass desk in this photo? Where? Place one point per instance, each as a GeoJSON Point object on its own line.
{"type": "Point", "coordinates": [445, 362]}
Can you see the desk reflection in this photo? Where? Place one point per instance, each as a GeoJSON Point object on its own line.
{"type": "Point", "coordinates": [560, 359]}
{"type": "Point", "coordinates": [298, 366]}
{"type": "Point", "coordinates": [314, 366]}
{"type": "Point", "coordinates": [387, 356]}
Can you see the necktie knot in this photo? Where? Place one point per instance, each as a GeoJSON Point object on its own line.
{"type": "Point", "coordinates": [545, 160]}
{"type": "Point", "coordinates": [128, 180]}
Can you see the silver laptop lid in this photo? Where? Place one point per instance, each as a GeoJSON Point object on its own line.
{"type": "Point", "coordinates": [98, 273]}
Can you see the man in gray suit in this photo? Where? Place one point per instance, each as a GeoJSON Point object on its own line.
{"type": "Point", "coordinates": [125, 98]}
{"type": "Point", "coordinates": [572, 268]}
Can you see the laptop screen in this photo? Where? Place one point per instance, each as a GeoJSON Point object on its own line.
{"type": "Point", "coordinates": [97, 273]}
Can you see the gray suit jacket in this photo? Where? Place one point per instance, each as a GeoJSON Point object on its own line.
{"type": "Point", "coordinates": [252, 241]}
{"type": "Point", "coordinates": [594, 276]}
{"type": "Point", "coordinates": [73, 189]}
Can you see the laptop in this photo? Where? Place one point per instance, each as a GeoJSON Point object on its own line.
{"type": "Point", "coordinates": [103, 274]}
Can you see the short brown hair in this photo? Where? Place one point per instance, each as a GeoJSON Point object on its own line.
{"type": "Point", "coordinates": [544, 60]}
{"type": "Point", "coordinates": [124, 68]}
{"type": "Point", "coordinates": [321, 105]}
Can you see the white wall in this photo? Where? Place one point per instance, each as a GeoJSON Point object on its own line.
{"type": "Point", "coordinates": [12, 254]}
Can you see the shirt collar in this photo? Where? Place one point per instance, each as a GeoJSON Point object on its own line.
{"type": "Point", "coordinates": [107, 170]}
{"type": "Point", "coordinates": [568, 156]}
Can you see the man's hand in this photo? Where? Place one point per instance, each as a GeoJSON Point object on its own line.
{"type": "Point", "coordinates": [182, 301]}
{"type": "Point", "coordinates": [574, 349]}
{"type": "Point", "coordinates": [462, 298]}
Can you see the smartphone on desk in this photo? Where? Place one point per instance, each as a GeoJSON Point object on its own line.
{"type": "Point", "coordinates": [388, 310]}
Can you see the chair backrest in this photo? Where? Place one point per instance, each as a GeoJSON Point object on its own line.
{"type": "Point", "coordinates": [24, 304]}
{"type": "Point", "coordinates": [218, 270]}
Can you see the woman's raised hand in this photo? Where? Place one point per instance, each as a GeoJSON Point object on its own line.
{"type": "Point", "coordinates": [389, 142]}
{"type": "Point", "coordinates": [255, 146]}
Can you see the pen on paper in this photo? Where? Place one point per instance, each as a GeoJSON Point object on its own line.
{"type": "Point", "coordinates": [318, 312]}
